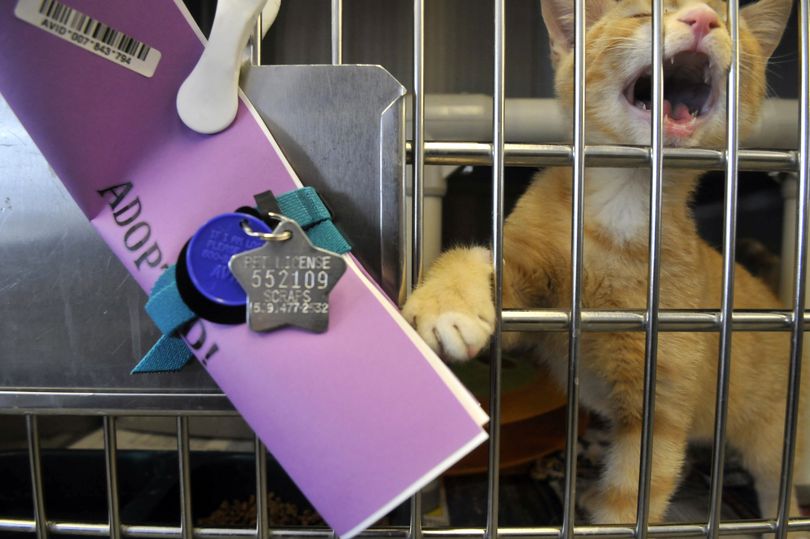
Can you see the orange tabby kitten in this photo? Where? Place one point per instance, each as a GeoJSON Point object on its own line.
{"type": "Point", "coordinates": [453, 309]}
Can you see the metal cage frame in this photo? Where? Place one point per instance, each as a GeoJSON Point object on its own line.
{"type": "Point", "coordinates": [575, 320]}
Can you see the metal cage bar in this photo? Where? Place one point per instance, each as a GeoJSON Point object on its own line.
{"type": "Point", "coordinates": [577, 226]}
{"type": "Point", "coordinates": [546, 532]}
{"type": "Point", "coordinates": [418, 192]}
{"type": "Point", "coordinates": [727, 300]}
{"type": "Point", "coordinates": [418, 155]}
{"type": "Point", "coordinates": [35, 459]}
{"type": "Point", "coordinates": [415, 528]}
{"type": "Point", "coordinates": [262, 524]}
{"type": "Point", "coordinates": [800, 281]}
{"type": "Point", "coordinates": [184, 464]}
{"type": "Point", "coordinates": [654, 270]}
{"type": "Point", "coordinates": [635, 320]}
{"type": "Point", "coordinates": [256, 41]}
{"type": "Point", "coordinates": [538, 155]}
{"type": "Point", "coordinates": [337, 32]}
{"type": "Point", "coordinates": [498, 105]}
{"type": "Point", "coordinates": [111, 463]}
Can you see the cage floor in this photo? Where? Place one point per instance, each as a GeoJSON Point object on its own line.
{"type": "Point", "coordinates": [223, 484]}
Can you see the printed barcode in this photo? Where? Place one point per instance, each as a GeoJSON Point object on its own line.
{"type": "Point", "coordinates": [90, 34]}
{"type": "Point", "coordinates": [80, 22]}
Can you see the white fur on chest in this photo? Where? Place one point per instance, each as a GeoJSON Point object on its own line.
{"type": "Point", "coordinates": [618, 201]}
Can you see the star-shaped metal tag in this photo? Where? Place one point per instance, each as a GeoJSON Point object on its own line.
{"type": "Point", "coordinates": [288, 281]}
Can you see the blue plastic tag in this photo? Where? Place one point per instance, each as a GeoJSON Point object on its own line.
{"type": "Point", "coordinates": [211, 248]}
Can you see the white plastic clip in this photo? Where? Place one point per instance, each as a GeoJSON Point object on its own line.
{"type": "Point", "coordinates": [208, 98]}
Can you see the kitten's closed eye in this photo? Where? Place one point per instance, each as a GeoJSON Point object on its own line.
{"type": "Point", "coordinates": [641, 16]}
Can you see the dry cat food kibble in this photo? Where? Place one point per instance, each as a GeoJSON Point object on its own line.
{"type": "Point", "coordinates": [241, 513]}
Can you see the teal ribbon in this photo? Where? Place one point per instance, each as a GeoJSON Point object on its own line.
{"type": "Point", "coordinates": [168, 354]}
{"type": "Point", "coordinates": [306, 208]}
{"type": "Point", "coordinates": [326, 236]}
{"type": "Point", "coordinates": [170, 313]}
{"type": "Point", "coordinates": [303, 206]}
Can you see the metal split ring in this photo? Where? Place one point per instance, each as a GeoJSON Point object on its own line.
{"type": "Point", "coordinates": [268, 236]}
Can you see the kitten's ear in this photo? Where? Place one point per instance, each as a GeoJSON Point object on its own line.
{"type": "Point", "coordinates": [766, 19]}
{"type": "Point", "coordinates": [559, 18]}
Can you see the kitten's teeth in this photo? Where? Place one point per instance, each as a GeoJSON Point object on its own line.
{"type": "Point", "coordinates": [707, 77]}
{"type": "Point", "coordinates": [641, 105]}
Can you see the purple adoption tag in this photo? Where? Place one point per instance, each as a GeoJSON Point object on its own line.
{"type": "Point", "coordinates": [211, 248]}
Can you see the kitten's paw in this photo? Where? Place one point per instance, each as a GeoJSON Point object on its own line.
{"type": "Point", "coordinates": [453, 310]}
{"type": "Point", "coordinates": [455, 336]}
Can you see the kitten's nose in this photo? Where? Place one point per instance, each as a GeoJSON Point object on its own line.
{"type": "Point", "coordinates": [702, 19]}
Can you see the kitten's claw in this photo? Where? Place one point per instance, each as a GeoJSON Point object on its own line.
{"type": "Point", "coordinates": [455, 336]}
{"type": "Point", "coordinates": [462, 336]}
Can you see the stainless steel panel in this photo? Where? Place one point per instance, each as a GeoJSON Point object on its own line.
{"type": "Point", "coordinates": [73, 323]}
{"type": "Point", "coordinates": [341, 128]}
{"type": "Point", "coordinates": [71, 318]}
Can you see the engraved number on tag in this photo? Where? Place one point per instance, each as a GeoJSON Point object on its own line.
{"type": "Point", "coordinates": [288, 281]}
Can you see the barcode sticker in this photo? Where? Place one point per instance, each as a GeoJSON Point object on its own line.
{"type": "Point", "coordinates": [89, 34]}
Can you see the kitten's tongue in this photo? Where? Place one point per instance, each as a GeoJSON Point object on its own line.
{"type": "Point", "coordinates": [681, 113]}
{"type": "Point", "coordinates": [679, 122]}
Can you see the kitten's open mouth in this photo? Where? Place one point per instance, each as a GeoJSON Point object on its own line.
{"type": "Point", "coordinates": [687, 91]}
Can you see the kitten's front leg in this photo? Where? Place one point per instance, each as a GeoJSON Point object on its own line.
{"type": "Point", "coordinates": [453, 309]}
{"type": "Point", "coordinates": [617, 496]}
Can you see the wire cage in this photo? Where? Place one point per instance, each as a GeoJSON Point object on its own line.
{"type": "Point", "coordinates": [575, 320]}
